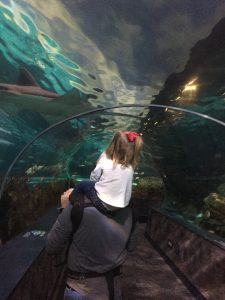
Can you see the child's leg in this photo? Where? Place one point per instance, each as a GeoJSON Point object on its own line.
{"type": "Point", "coordinates": [87, 187]}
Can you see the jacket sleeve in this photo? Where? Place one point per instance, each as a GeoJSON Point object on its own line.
{"type": "Point", "coordinates": [97, 172]}
{"type": "Point", "coordinates": [61, 233]}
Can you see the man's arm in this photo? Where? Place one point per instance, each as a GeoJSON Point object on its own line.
{"type": "Point", "coordinates": [60, 234]}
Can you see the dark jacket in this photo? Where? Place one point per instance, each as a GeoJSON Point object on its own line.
{"type": "Point", "coordinates": [98, 245]}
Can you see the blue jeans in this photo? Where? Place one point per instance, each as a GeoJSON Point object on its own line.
{"type": "Point", "coordinates": [70, 294]}
{"type": "Point", "coordinates": [87, 187]}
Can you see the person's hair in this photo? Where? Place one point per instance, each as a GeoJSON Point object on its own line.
{"type": "Point", "coordinates": [124, 151]}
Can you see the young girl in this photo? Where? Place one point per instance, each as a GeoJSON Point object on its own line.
{"type": "Point", "coordinates": [110, 184]}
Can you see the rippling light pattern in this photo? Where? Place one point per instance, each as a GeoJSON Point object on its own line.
{"type": "Point", "coordinates": [23, 44]}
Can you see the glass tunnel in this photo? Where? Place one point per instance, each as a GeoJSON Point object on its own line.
{"type": "Point", "coordinates": [75, 72]}
{"type": "Point", "coordinates": [183, 181]}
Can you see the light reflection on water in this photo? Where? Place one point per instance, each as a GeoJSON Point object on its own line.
{"type": "Point", "coordinates": [23, 44]}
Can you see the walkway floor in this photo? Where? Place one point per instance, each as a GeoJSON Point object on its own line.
{"type": "Point", "coordinates": [148, 277]}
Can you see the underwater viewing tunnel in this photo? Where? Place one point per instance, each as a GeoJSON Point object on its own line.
{"type": "Point", "coordinates": [73, 73]}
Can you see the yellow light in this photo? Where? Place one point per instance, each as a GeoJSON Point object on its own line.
{"type": "Point", "coordinates": [190, 88]}
{"type": "Point", "coordinates": [192, 81]}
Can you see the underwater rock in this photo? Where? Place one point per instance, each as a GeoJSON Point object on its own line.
{"type": "Point", "coordinates": [215, 205]}
{"type": "Point", "coordinates": [32, 170]}
{"type": "Point", "coordinates": [187, 150]}
{"type": "Point", "coordinates": [147, 186]}
{"type": "Point", "coordinates": [148, 192]}
{"type": "Point", "coordinates": [23, 203]}
{"type": "Point", "coordinates": [221, 189]}
{"type": "Point", "coordinates": [214, 212]}
{"type": "Point", "coordinates": [204, 65]}
{"type": "Point", "coordinates": [42, 171]}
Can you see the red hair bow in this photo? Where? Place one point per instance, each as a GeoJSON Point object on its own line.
{"type": "Point", "coordinates": [131, 135]}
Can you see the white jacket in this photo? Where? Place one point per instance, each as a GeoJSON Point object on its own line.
{"type": "Point", "coordinates": [114, 182]}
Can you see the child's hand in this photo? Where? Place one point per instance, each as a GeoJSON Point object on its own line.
{"type": "Point", "coordinates": [65, 197]}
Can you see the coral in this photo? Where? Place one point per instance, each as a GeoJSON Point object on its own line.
{"type": "Point", "coordinates": [214, 212]}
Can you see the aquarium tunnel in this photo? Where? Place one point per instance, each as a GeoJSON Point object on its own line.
{"type": "Point", "coordinates": [72, 74]}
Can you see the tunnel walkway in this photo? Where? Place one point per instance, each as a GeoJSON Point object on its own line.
{"type": "Point", "coordinates": [147, 276]}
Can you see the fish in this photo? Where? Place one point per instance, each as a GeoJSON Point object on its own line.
{"type": "Point", "coordinates": [27, 95]}
{"type": "Point", "coordinates": [26, 84]}
{"type": "Point", "coordinates": [5, 142]}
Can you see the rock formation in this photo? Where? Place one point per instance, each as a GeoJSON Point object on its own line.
{"type": "Point", "coordinates": [188, 150]}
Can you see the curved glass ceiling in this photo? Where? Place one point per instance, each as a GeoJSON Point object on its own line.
{"type": "Point", "coordinates": [173, 145]}
{"type": "Point", "coordinates": [61, 58]}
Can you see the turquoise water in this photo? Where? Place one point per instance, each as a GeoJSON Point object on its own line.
{"type": "Point", "coordinates": [22, 43]}
{"type": "Point", "coordinates": [183, 155]}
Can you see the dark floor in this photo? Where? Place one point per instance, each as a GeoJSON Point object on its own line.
{"type": "Point", "coordinates": [147, 276]}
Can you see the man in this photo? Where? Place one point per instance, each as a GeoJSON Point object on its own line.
{"type": "Point", "coordinates": [96, 250]}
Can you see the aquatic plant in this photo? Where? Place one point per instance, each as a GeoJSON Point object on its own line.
{"type": "Point", "coordinates": [23, 203]}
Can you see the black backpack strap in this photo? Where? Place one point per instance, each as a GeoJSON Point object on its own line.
{"type": "Point", "coordinates": [77, 210]}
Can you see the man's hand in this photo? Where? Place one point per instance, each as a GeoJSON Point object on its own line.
{"type": "Point", "coordinates": [65, 198]}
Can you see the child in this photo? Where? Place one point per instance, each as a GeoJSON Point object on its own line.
{"type": "Point", "coordinates": [110, 184]}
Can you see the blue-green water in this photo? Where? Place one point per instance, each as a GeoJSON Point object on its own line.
{"type": "Point", "coordinates": [90, 68]}
{"type": "Point", "coordinates": [22, 44]}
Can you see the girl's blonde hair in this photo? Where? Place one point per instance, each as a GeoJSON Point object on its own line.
{"type": "Point", "coordinates": [124, 151]}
